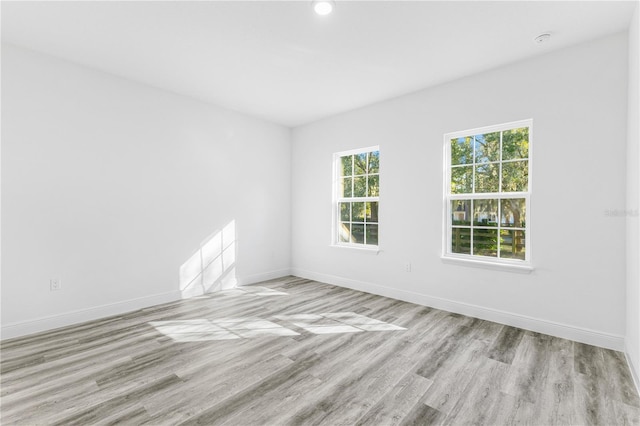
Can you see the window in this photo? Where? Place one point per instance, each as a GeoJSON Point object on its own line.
{"type": "Point", "coordinates": [356, 198]}
{"type": "Point", "coordinates": [487, 194]}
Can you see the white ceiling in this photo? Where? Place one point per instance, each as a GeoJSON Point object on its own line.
{"type": "Point", "coordinates": [281, 62]}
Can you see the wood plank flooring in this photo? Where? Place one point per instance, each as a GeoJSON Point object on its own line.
{"type": "Point", "coordinates": [297, 352]}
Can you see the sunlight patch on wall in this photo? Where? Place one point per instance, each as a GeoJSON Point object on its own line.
{"type": "Point", "coordinates": [212, 266]}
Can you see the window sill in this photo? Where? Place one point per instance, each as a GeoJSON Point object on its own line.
{"type": "Point", "coordinates": [360, 248]}
{"type": "Point", "coordinates": [475, 263]}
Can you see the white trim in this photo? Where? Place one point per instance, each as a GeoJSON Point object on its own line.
{"type": "Point", "coordinates": [336, 198]}
{"type": "Point", "coordinates": [264, 276]}
{"type": "Point", "coordinates": [356, 151]}
{"type": "Point", "coordinates": [448, 197]}
{"type": "Point", "coordinates": [489, 129]}
{"type": "Point", "coordinates": [358, 247]}
{"type": "Point", "coordinates": [488, 195]}
{"type": "Point", "coordinates": [475, 262]}
{"type": "Point", "coordinates": [23, 328]}
{"type": "Point", "coordinates": [635, 374]}
{"type": "Point", "coordinates": [565, 331]}
{"type": "Point", "coordinates": [51, 322]}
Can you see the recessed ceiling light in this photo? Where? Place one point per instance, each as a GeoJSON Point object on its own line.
{"type": "Point", "coordinates": [323, 7]}
{"type": "Point", "coordinates": [542, 38]}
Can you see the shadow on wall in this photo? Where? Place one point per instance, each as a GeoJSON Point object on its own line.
{"type": "Point", "coordinates": [213, 266]}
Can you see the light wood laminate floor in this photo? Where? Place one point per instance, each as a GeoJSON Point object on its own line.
{"type": "Point", "coordinates": [294, 351]}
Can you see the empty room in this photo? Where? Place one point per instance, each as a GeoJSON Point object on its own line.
{"type": "Point", "coordinates": [320, 213]}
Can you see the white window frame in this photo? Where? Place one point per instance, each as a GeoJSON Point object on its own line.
{"type": "Point", "coordinates": [448, 256]}
{"type": "Point", "coordinates": [338, 198]}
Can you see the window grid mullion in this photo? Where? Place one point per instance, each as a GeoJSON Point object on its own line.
{"type": "Point", "coordinates": [472, 217]}
{"type": "Point", "coordinates": [488, 195]}
{"type": "Point", "coordinates": [499, 253]}
{"type": "Point", "coordinates": [353, 174]}
{"type": "Point", "coordinates": [473, 167]}
{"type": "Point", "coordinates": [366, 192]}
{"type": "Point", "coordinates": [366, 180]}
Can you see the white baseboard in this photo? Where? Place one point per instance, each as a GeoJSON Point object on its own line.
{"type": "Point", "coordinates": [578, 334]}
{"type": "Point", "coordinates": [534, 324]}
{"type": "Point", "coordinates": [23, 328]}
{"type": "Point", "coordinates": [264, 276]}
{"type": "Point", "coordinates": [37, 325]}
{"type": "Point", "coordinates": [634, 370]}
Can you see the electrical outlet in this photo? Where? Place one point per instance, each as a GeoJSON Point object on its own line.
{"type": "Point", "coordinates": [407, 267]}
{"type": "Point", "coordinates": [55, 284]}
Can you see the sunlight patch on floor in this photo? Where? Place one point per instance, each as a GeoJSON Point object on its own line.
{"type": "Point", "coordinates": [198, 330]}
{"type": "Point", "coordinates": [251, 291]}
{"type": "Point", "coordinates": [337, 322]}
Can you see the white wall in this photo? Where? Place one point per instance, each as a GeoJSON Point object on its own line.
{"type": "Point", "coordinates": [633, 196]}
{"type": "Point", "coordinates": [113, 186]}
{"type": "Point", "coordinates": [577, 98]}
